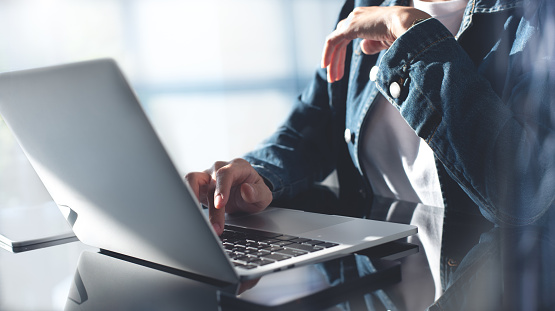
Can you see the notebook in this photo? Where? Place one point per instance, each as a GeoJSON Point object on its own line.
{"type": "Point", "coordinates": [91, 143]}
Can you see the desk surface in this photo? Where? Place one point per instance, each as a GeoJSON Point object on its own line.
{"type": "Point", "coordinates": [77, 277]}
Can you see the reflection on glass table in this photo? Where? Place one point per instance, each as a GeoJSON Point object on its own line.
{"type": "Point", "coordinates": [104, 282]}
{"type": "Point", "coordinates": [497, 269]}
{"type": "Point", "coordinates": [28, 228]}
{"type": "Point", "coordinates": [464, 262]}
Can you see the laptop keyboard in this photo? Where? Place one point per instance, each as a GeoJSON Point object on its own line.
{"type": "Point", "coordinates": [250, 248]}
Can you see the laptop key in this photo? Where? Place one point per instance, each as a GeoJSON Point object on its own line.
{"type": "Point", "coordinates": [281, 243]}
{"type": "Point", "coordinates": [299, 240]}
{"type": "Point", "coordinates": [241, 242]}
{"type": "Point", "coordinates": [276, 257]}
{"type": "Point", "coordinates": [327, 244]}
{"type": "Point", "coordinates": [232, 239]}
{"type": "Point", "coordinates": [243, 266]}
{"type": "Point", "coordinates": [228, 246]}
{"type": "Point", "coordinates": [262, 262]}
{"type": "Point", "coordinates": [291, 252]}
{"type": "Point", "coordinates": [261, 253]}
{"type": "Point", "coordinates": [238, 248]}
{"type": "Point", "coordinates": [313, 242]}
{"type": "Point", "coordinates": [250, 259]}
{"type": "Point", "coordinates": [269, 241]}
{"type": "Point", "coordinates": [285, 237]}
{"type": "Point", "coordinates": [251, 251]}
{"type": "Point", "coordinates": [252, 244]}
{"type": "Point", "coordinates": [303, 247]}
{"type": "Point", "coordinates": [272, 248]}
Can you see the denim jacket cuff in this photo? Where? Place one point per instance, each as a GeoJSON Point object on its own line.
{"type": "Point", "coordinates": [271, 179]}
{"type": "Point", "coordinates": [401, 72]}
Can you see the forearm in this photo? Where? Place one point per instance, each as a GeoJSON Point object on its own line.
{"type": "Point", "coordinates": [302, 151]}
{"type": "Point", "coordinates": [305, 148]}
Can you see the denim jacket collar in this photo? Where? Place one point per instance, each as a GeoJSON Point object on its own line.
{"type": "Point", "coordinates": [492, 6]}
{"type": "Point", "coordinates": [473, 6]}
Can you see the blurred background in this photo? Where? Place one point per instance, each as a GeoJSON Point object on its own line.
{"type": "Point", "coordinates": [215, 77]}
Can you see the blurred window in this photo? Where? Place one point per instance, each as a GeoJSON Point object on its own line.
{"type": "Point", "coordinates": [216, 77]}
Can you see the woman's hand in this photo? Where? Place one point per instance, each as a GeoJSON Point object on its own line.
{"type": "Point", "coordinates": [229, 187]}
{"type": "Point", "coordinates": [379, 27]}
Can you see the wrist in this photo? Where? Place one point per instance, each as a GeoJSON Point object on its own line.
{"type": "Point", "coordinates": [407, 18]}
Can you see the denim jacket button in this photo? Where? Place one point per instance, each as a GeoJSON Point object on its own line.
{"type": "Point", "coordinates": [395, 90]}
{"type": "Point", "coordinates": [374, 73]}
{"type": "Point", "coordinates": [348, 136]}
{"type": "Point", "coordinates": [452, 262]}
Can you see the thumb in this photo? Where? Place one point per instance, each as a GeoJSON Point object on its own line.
{"type": "Point", "coordinates": [370, 47]}
{"type": "Point", "coordinates": [256, 196]}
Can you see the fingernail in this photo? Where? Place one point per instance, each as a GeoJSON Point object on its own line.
{"type": "Point", "coordinates": [218, 201]}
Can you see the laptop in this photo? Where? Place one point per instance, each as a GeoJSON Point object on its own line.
{"type": "Point", "coordinates": [89, 140]}
{"type": "Point", "coordinates": [24, 228]}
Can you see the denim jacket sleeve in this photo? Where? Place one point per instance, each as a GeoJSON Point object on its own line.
{"type": "Point", "coordinates": [494, 137]}
{"type": "Point", "coordinates": [304, 150]}
{"type": "Point", "coordinates": [489, 118]}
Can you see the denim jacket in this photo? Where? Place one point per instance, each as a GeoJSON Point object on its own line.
{"type": "Point", "coordinates": [482, 100]}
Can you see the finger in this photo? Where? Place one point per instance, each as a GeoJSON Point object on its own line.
{"type": "Point", "coordinates": [255, 196]}
{"type": "Point", "coordinates": [216, 174]}
{"type": "Point", "coordinates": [325, 55]}
{"type": "Point", "coordinates": [337, 38]}
{"type": "Point", "coordinates": [216, 216]}
{"type": "Point", "coordinates": [217, 165]}
{"type": "Point", "coordinates": [329, 45]}
{"type": "Point", "coordinates": [370, 47]}
{"type": "Point", "coordinates": [226, 177]}
{"type": "Point", "coordinates": [329, 48]}
{"type": "Point", "coordinates": [330, 65]}
{"type": "Point", "coordinates": [332, 41]}
{"type": "Point", "coordinates": [196, 180]}
{"type": "Point", "coordinates": [341, 63]}
{"type": "Point", "coordinates": [337, 62]}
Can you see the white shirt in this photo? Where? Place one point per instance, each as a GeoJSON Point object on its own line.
{"type": "Point", "coordinates": [397, 162]}
{"type": "Point", "coordinates": [400, 165]}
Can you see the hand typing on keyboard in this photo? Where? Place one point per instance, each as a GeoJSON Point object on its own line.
{"type": "Point", "coordinates": [229, 187]}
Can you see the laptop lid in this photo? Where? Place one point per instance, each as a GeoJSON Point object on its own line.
{"type": "Point", "coordinates": [91, 144]}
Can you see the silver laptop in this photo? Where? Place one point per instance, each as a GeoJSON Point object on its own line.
{"type": "Point", "coordinates": [88, 138]}
{"type": "Point", "coordinates": [24, 228]}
